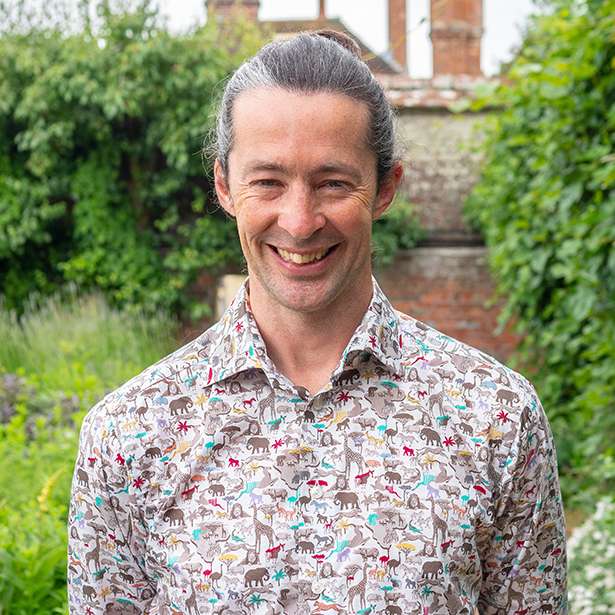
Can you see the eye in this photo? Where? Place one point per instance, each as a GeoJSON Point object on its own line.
{"type": "Point", "coordinates": [334, 184]}
{"type": "Point", "coordinates": [266, 183]}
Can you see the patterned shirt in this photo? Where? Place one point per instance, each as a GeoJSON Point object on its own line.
{"type": "Point", "coordinates": [421, 480]}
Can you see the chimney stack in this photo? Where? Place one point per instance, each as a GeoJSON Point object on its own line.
{"type": "Point", "coordinates": [397, 33]}
{"type": "Point", "coordinates": [223, 9]}
{"type": "Point", "coordinates": [456, 32]}
{"type": "Point", "coordinates": [322, 11]}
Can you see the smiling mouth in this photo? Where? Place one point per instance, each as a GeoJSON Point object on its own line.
{"type": "Point", "coordinates": [303, 259]}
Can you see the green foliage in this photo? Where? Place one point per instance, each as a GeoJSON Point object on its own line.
{"type": "Point", "coordinates": [101, 178]}
{"type": "Point", "coordinates": [35, 483]}
{"type": "Point", "coordinates": [55, 362]}
{"type": "Point", "coordinates": [397, 230]}
{"type": "Point", "coordinates": [70, 344]}
{"type": "Point", "coordinates": [591, 567]}
{"type": "Point", "coordinates": [546, 206]}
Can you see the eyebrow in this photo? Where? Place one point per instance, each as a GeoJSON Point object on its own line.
{"type": "Point", "coordinates": [265, 166]}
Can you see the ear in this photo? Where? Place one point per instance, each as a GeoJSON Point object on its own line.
{"type": "Point", "coordinates": [388, 188]}
{"type": "Point", "coordinates": [222, 189]}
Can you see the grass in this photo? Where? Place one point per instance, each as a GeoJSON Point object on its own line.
{"type": "Point", "coordinates": [58, 359]}
{"type": "Point", "coordinates": [78, 345]}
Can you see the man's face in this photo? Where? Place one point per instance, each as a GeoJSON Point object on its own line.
{"type": "Point", "coordinates": [302, 185]}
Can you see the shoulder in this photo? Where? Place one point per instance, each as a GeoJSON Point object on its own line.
{"type": "Point", "coordinates": [478, 381]}
{"type": "Point", "coordinates": [487, 415]}
{"type": "Point", "coordinates": [150, 390]}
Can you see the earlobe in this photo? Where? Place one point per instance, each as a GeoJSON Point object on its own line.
{"type": "Point", "coordinates": [222, 189]}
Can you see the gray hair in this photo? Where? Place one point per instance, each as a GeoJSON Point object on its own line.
{"type": "Point", "coordinates": [312, 62]}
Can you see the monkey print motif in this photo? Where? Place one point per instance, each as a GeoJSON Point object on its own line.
{"type": "Point", "coordinates": [421, 480]}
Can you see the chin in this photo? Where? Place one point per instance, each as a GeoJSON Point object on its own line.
{"type": "Point", "coordinates": [306, 301]}
{"type": "Point", "coordinates": [306, 297]}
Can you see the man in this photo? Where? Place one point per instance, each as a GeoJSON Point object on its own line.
{"type": "Point", "coordinates": [315, 451]}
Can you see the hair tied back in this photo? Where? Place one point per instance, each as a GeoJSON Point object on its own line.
{"type": "Point", "coordinates": [342, 39]}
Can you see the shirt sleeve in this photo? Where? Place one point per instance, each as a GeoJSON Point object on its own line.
{"type": "Point", "coordinates": [106, 538]}
{"type": "Point", "coordinates": [523, 557]}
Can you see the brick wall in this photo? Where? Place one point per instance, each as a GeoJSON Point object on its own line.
{"type": "Point", "coordinates": [445, 282]}
{"type": "Point", "coordinates": [448, 288]}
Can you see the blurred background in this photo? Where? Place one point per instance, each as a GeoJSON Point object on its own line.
{"type": "Point", "coordinates": [113, 251]}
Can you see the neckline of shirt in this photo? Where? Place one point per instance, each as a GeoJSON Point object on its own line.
{"type": "Point", "coordinates": [378, 333]}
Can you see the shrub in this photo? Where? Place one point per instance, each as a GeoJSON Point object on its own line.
{"type": "Point", "coordinates": [63, 356]}
{"type": "Point", "coordinates": [35, 480]}
{"type": "Point", "coordinates": [397, 230]}
{"type": "Point", "coordinates": [101, 178]}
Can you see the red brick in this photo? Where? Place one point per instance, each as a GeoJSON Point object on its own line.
{"type": "Point", "coordinates": [456, 31]}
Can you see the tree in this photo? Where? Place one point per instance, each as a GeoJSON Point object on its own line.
{"type": "Point", "coordinates": [101, 178]}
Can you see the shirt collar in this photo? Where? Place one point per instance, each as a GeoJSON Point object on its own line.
{"type": "Point", "coordinates": [378, 333]}
{"type": "Point", "coordinates": [239, 345]}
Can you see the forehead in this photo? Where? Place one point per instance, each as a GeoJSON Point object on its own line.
{"type": "Point", "coordinates": [298, 127]}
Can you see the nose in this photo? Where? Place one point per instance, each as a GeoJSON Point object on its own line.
{"type": "Point", "coordinates": [300, 216]}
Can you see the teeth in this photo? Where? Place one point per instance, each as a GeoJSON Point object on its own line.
{"type": "Point", "coordinates": [301, 259]}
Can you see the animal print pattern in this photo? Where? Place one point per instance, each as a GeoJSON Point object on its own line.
{"type": "Point", "coordinates": [421, 480]}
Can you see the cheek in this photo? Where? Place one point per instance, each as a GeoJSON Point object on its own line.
{"type": "Point", "coordinates": [355, 215]}
{"type": "Point", "coordinates": [252, 219]}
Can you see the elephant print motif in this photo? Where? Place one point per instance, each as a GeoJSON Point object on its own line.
{"type": "Point", "coordinates": [174, 516]}
{"type": "Point", "coordinates": [421, 479]}
{"type": "Point", "coordinates": [348, 377]}
{"type": "Point", "coordinates": [258, 445]}
{"type": "Point", "coordinates": [431, 437]}
{"type": "Point", "coordinates": [258, 576]}
{"type": "Point", "coordinates": [508, 397]}
{"type": "Point", "coordinates": [180, 405]}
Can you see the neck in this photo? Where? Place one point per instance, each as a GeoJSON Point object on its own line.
{"type": "Point", "coordinates": [307, 346]}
